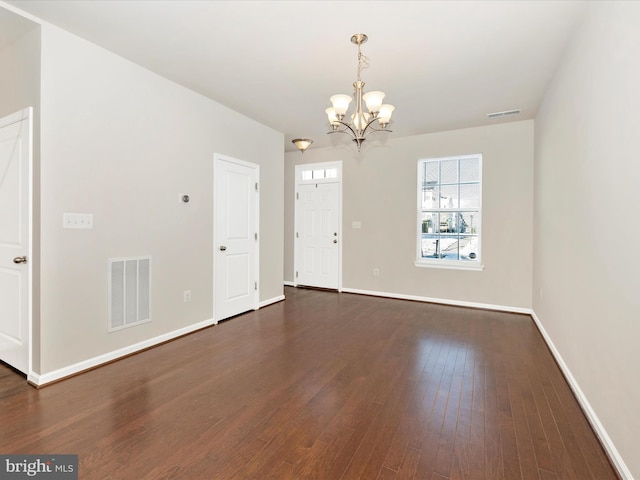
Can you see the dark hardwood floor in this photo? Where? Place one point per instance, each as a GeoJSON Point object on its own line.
{"type": "Point", "coordinates": [320, 386]}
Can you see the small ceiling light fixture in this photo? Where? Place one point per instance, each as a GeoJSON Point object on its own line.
{"type": "Point", "coordinates": [302, 143]}
{"type": "Point", "coordinates": [362, 123]}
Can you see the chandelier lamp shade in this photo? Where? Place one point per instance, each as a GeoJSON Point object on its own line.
{"type": "Point", "coordinates": [302, 143]}
{"type": "Point", "coordinates": [360, 123]}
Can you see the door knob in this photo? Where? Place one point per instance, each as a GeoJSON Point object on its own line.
{"type": "Point", "coordinates": [22, 259]}
{"type": "Point", "coordinates": [222, 248]}
{"type": "Point", "coordinates": [335, 241]}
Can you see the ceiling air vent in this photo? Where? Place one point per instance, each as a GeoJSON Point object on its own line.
{"type": "Point", "coordinates": [506, 113]}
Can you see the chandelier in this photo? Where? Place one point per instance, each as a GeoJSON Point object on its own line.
{"type": "Point", "coordinates": [362, 123]}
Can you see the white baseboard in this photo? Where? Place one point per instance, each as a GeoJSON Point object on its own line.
{"type": "Point", "coordinates": [289, 284]}
{"type": "Point", "coordinates": [40, 380]}
{"type": "Point", "coordinates": [270, 301]}
{"type": "Point", "coordinates": [597, 426]}
{"type": "Point", "coordinates": [457, 303]}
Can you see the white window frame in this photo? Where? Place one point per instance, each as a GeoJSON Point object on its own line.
{"type": "Point", "coordinates": [446, 263]}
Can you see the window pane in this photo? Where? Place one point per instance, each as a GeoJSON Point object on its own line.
{"type": "Point", "coordinates": [469, 170]}
{"type": "Point", "coordinates": [449, 196]}
{"type": "Point", "coordinates": [447, 222]}
{"type": "Point", "coordinates": [306, 175]}
{"type": "Point", "coordinates": [468, 247]}
{"type": "Point", "coordinates": [449, 247]}
{"type": "Point", "coordinates": [449, 171]}
{"type": "Point", "coordinates": [430, 198]}
{"type": "Point", "coordinates": [318, 174]}
{"type": "Point", "coordinates": [469, 222]}
{"type": "Point", "coordinates": [331, 173]}
{"type": "Point", "coordinates": [431, 172]}
{"type": "Point", "coordinates": [428, 248]}
{"type": "Point", "coordinates": [470, 196]}
{"type": "Point", "coordinates": [429, 220]}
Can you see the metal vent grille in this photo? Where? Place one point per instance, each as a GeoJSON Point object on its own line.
{"type": "Point", "coordinates": [129, 292]}
{"type": "Point", "coordinates": [506, 113]}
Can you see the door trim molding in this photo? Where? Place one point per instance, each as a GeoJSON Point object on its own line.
{"type": "Point", "coordinates": [217, 158]}
{"type": "Point", "coordinates": [298, 181]}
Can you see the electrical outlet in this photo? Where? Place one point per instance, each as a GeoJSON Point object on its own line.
{"type": "Point", "coordinates": [376, 272]}
{"type": "Point", "coordinates": [186, 296]}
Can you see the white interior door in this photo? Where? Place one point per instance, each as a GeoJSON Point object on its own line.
{"type": "Point", "coordinates": [317, 231]}
{"type": "Point", "coordinates": [236, 237]}
{"type": "Point", "coordinates": [15, 209]}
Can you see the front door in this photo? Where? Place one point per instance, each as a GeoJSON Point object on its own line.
{"type": "Point", "coordinates": [235, 237]}
{"type": "Point", "coordinates": [317, 228]}
{"type": "Point", "coordinates": [15, 208]}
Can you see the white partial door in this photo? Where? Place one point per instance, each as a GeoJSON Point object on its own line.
{"type": "Point", "coordinates": [235, 237]}
{"type": "Point", "coordinates": [317, 225]}
{"type": "Point", "coordinates": [15, 183]}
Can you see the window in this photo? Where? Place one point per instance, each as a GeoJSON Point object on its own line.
{"type": "Point", "coordinates": [319, 174]}
{"type": "Point", "coordinates": [449, 212]}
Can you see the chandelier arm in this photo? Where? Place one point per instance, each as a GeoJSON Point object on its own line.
{"type": "Point", "coordinates": [371, 128]}
{"type": "Point", "coordinates": [347, 127]}
{"type": "Point", "coordinates": [341, 131]}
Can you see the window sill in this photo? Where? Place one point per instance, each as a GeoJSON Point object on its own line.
{"type": "Point", "coordinates": [449, 265]}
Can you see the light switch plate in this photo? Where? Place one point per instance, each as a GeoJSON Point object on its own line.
{"type": "Point", "coordinates": [77, 220]}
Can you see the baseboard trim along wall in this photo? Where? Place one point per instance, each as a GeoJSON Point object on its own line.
{"type": "Point", "coordinates": [593, 419]}
{"type": "Point", "coordinates": [458, 303]}
{"type": "Point", "coordinates": [41, 380]}
{"type": "Point", "coordinates": [270, 301]}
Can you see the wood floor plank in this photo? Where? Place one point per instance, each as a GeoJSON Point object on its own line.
{"type": "Point", "coordinates": [320, 386]}
{"type": "Point", "coordinates": [399, 446]}
{"type": "Point", "coordinates": [386, 474]}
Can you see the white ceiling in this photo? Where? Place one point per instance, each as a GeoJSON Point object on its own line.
{"type": "Point", "coordinates": [443, 64]}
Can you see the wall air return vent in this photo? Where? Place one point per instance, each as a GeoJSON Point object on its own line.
{"type": "Point", "coordinates": [506, 113]}
{"type": "Point", "coordinates": [129, 292]}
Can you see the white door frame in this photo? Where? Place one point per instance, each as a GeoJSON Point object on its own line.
{"type": "Point", "coordinates": [299, 181]}
{"type": "Point", "coordinates": [217, 157]}
{"type": "Point", "coordinates": [27, 114]}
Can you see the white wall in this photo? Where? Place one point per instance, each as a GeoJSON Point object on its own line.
{"type": "Point", "coordinates": [586, 259]}
{"type": "Point", "coordinates": [123, 144]}
{"type": "Point", "coordinates": [379, 190]}
{"type": "Point", "coordinates": [19, 67]}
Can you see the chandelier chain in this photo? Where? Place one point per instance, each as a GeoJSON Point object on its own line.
{"type": "Point", "coordinates": [363, 62]}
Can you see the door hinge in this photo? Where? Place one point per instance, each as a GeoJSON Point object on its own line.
{"type": "Point", "coordinates": [296, 274]}
{"type": "Point", "coordinates": [297, 196]}
{"type": "Point", "coordinates": [256, 186]}
{"type": "Point", "coordinates": [297, 236]}
{"type": "Point", "coordinates": [256, 235]}
{"type": "Point", "coordinates": [256, 285]}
